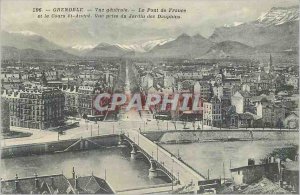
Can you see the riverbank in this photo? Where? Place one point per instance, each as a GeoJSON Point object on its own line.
{"type": "Point", "coordinates": [15, 134]}
{"type": "Point", "coordinates": [190, 136]}
{"type": "Point", "coordinates": [60, 146]}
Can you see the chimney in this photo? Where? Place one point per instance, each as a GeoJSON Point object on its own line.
{"type": "Point", "coordinates": [73, 173]}
{"type": "Point", "coordinates": [36, 181]}
{"type": "Point", "coordinates": [52, 181]}
{"type": "Point", "coordinates": [281, 183]}
{"type": "Point", "coordinates": [17, 183]}
{"type": "Point", "coordinates": [251, 162]}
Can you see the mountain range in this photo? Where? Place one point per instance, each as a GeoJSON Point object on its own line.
{"type": "Point", "coordinates": [276, 31]}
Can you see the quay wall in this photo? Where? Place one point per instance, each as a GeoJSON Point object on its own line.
{"type": "Point", "coordinates": [60, 146]}
{"type": "Point", "coordinates": [220, 135]}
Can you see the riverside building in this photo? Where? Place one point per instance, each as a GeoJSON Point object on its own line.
{"type": "Point", "coordinates": [37, 107]}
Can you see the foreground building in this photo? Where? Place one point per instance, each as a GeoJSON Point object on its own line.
{"type": "Point", "coordinates": [5, 122]}
{"type": "Point", "coordinates": [56, 184]}
{"type": "Point", "coordinates": [37, 107]}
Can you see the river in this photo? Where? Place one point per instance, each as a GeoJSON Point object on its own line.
{"type": "Point", "coordinates": [121, 171]}
{"type": "Point", "coordinates": [211, 155]}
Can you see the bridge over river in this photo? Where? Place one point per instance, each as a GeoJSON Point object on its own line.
{"type": "Point", "coordinates": [161, 160]}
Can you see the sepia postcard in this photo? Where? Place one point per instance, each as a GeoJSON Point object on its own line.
{"type": "Point", "coordinates": [149, 97]}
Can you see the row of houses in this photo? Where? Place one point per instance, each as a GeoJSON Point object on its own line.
{"type": "Point", "coordinates": [56, 184]}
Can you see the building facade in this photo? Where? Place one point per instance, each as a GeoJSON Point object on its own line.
{"type": "Point", "coordinates": [5, 121]}
{"type": "Point", "coordinates": [37, 108]}
{"type": "Point", "coordinates": [71, 101]}
{"type": "Point", "coordinates": [272, 115]}
{"type": "Point", "coordinates": [212, 112]}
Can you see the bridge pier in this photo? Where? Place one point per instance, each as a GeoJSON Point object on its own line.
{"type": "Point", "coordinates": [152, 170]}
{"type": "Point", "coordinates": [133, 152]}
{"type": "Point", "coordinates": [86, 144]}
{"type": "Point", "coordinates": [120, 142]}
{"type": "Point", "coordinates": [81, 144]}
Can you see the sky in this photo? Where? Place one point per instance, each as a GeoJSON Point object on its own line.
{"type": "Point", "coordinates": [202, 17]}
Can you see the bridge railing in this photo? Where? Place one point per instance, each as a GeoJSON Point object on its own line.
{"type": "Point", "coordinates": [184, 163]}
{"type": "Point", "coordinates": [187, 174]}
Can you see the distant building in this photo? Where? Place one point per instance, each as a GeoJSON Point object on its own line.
{"type": "Point", "coordinates": [272, 114]}
{"type": "Point", "coordinates": [147, 81]}
{"type": "Point", "coordinates": [218, 91]}
{"type": "Point", "coordinates": [204, 89]}
{"type": "Point", "coordinates": [241, 100]}
{"type": "Point", "coordinates": [197, 88]}
{"type": "Point", "coordinates": [250, 88]}
{"type": "Point", "coordinates": [212, 112]}
{"type": "Point", "coordinates": [71, 100]}
{"type": "Point", "coordinates": [86, 96]}
{"type": "Point", "coordinates": [291, 121]}
{"type": "Point", "coordinates": [169, 81]}
{"type": "Point", "coordinates": [294, 81]}
{"type": "Point", "coordinates": [243, 120]}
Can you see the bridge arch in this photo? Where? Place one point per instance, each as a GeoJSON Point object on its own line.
{"type": "Point", "coordinates": [155, 167]}
{"type": "Point", "coordinates": [135, 151]}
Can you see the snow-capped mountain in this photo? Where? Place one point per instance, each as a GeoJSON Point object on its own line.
{"type": "Point", "coordinates": [234, 24]}
{"type": "Point", "coordinates": [137, 47]}
{"type": "Point", "coordinates": [146, 46]}
{"type": "Point", "coordinates": [183, 46]}
{"type": "Point", "coordinates": [83, 47]}
{"type": "Point", "coordinates": [277, 30]}
{"type": "Point", "coordinates": [30, 45]}
{"type": "Point", "coordinates": [27, 40]}
{"type": "Point", "coordinates": [279, 15]}
{"type": "Point", "coordinates": [24, 32]}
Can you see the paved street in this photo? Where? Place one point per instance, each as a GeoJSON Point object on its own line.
{"type": "Point", "coordinates": [90, 128]}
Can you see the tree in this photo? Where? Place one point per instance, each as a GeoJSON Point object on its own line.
{"type": "Point", "coordinates": [84, 116]}
{"type": "Point", "coordinates": [279, 124]}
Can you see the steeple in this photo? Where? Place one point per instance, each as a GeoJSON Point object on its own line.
{"type": "Point", "coordinates": [271, 61]}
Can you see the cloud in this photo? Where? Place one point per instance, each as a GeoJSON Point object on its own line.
{"type": "Point", "coordinates": [202, 17]}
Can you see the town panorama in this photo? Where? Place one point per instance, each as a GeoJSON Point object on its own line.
{"type": "Point", "coordinates": [193, 103]}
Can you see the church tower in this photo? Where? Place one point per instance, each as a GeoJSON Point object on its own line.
{"type": "Point", "coordinates": [269, 68]}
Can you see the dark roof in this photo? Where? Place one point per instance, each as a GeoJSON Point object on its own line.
{"type": "Point", "coordinates": [264, 186]}
{"type": "Point", "coordinates": [252, 166]}
{"type": "Point", "coordinates": [214, 99]}
{"type": "Point", "coordinates": [91, 185]}
{"type": "Point", "coordinates": [231, 79]}
{"type": "Point", "coordinates": [58, 184]}
{"type": "Point", "coordinates": [245, 93]}
{"type": "Point", "coordinates": [27, 185]}
{"type": "Point", "coordinates": [246, 116]}
{"type": "Point", "coordinates": [230, 108]}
